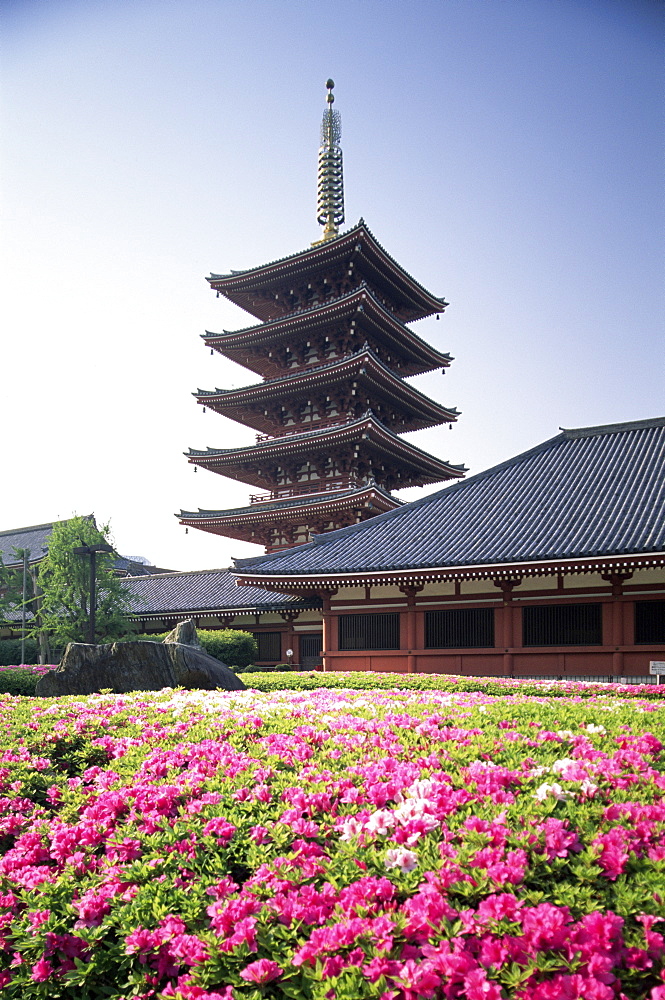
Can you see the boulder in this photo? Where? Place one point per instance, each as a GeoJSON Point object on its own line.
{"type": "Point", "coordinates": [135, 666]}
{"type": "Point", "coordinates": [185, 633]}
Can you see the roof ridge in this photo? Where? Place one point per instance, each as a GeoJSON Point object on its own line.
{"type": "Point", "coordinates": [280, 260]}
{"type": "Point", "coordinates": [29, 527]}
{"type": "Point", "coordinates": [47, 524]}
{"type": "Point", "coordinates": [178, 572]}
{"type": "Point", "coordinates": [626, 425]}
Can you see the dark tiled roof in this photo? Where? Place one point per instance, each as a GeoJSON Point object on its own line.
{"type": "Point", "coordinates": [202, 591]}
{"type": "Point", "coordinates": [588, 492]}
{"type": "Point", "coordinates": [311, 253]}
{"type": "Point", "coordinates": [34, 538]}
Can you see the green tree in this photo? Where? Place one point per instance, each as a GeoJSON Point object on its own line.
{"type": "Point", "coordinates": [64, 581]}
{"type": "Point", "coordinates": [10, 590]}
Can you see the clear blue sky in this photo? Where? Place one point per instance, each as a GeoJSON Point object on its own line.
{"type": "Point", "coordinates": [506, 152]}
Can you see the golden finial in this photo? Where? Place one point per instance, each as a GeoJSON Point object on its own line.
{"type": "Point", "coordinates": [330, 203]}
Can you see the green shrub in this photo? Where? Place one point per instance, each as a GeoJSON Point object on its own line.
{"type": "Point", "coordinates": [18, 681]}
{"type": "Point", "coordinates": [10, 651]}
{"type": "Point", "coordinates": [229, 645]}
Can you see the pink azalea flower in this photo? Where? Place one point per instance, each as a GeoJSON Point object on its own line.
{"type": "Point", "coordinates": [262, 971]}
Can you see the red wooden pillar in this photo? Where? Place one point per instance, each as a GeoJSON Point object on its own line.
{"type": "Point", "coordinates": [411, 626]}
{"type": "Point", "coordinates": [330, 637]}
{"type": "Point", "coordinates": [290, 638]}
{"type": "Point", "coordinates": [506, 623]}
{"type": "Point", "coordinates": [615, 610]}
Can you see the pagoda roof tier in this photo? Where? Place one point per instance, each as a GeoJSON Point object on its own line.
{"type": "Point", "coordinates": [406, 352]}
{"type": "Point", "coordinates": [404, 408]}
{"type": "Point", "coordinates": [238, 522]}
{"type": "Point", "coordinates": [385, 455]}
{"type": "Point", "coordinates": [260, 290]}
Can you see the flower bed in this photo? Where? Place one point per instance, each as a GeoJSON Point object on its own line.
{"type": "Point", "coordinates": [332, 844]}
{"type": "Point", "coordinates": [368, 680]}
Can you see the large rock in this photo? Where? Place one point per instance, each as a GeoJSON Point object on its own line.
{"type": "Point", "coordinates": [185, 632]}
{"type": "Point", "coordinates": [135, 666]}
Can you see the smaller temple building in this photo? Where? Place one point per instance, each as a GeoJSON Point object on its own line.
{"type": "Point", "coordinates": [551, 564]}
{"type": "Point", "coordinates": [287, 628]}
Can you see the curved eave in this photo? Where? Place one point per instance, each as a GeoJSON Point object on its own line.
{"type": "Point", "coordinates": [428, 411]}
{"type": "Point", "coordinates": [363, 428]}
{"type": "Point", "coordinates": [433, 574]}
{"type": "Point", "coordinates": [214, 610]}
{"type": "Point", "coordinates": [239, 284]}
{"type": "Point", "coordinates": [256, 512]}
{"type": "Point", "coordinates": [307, 320]}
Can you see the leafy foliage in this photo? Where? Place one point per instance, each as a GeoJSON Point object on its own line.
{"type": "Point", "coordinates": [64, 578]}
{"type": "Point", "coordinates": [11, 586]}
{"type": "Point", "coordinates": [231, 646]}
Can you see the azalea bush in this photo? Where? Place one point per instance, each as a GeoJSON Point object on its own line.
{"type": "Point", "coordinates": [332, 845]}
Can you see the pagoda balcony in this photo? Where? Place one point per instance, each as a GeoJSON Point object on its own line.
{"type": "Point", "coordinates": [306, 428]}
{"type": "Point", "coordinates": [308, 488]}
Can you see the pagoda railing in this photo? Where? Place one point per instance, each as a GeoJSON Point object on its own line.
{"type": "Point", "coordinates": [307, 489]}
{"type": "Point", "coordinates": [306, 428]}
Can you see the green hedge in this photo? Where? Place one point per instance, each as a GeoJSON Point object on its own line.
{"type": "Point", "coordinates": [18, 681]}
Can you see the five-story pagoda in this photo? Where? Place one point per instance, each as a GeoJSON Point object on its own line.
{"type": "Point", "coordinates": [333, 349]}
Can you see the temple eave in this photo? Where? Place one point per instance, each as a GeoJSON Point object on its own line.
{"type": "Point", "coordinates": [240, 286]}
{"type": "Point", "coordinates": [359, 304]}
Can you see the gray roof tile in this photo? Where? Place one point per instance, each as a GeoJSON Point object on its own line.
{"type": "Point", "coordinates": [200, 591]}
{"type": "Point", "coordinates": [586, 492]}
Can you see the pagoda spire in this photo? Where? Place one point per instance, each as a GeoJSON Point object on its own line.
{"type": "Point", "coordinates": [330, 201]}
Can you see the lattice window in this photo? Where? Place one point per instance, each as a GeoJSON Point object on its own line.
{"type": "Point", "coordinates": [269, 645]}
{"type": "Point", "coordinates": [369, 631]}
{"type": "Point", "coordinates": [562, 625]}
{"type": "Point", "coordinates": [649, 621]}
{"type": "Point", "coordinates": [459, 628]}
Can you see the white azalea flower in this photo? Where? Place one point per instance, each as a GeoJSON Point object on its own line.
{"type": "Point", "coordinates": [555, 789]}
{"type": "Point", "coordinates": [399, 857]}
{"type": "Point", "coordinates": [380, 822]}
{"type": "Point", "coordinates": [351, 827]}
{"type": "Point", "coordinates": [559, 766]}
